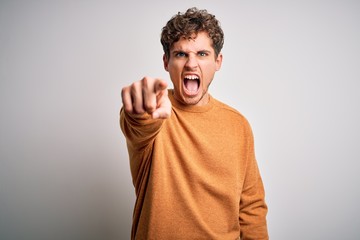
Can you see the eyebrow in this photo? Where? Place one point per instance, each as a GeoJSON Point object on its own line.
{"type": "Point", "coordinates": [200, 51]}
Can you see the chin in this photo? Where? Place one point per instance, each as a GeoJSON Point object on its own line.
{"type": "Point", "coordinates": [195, 100]}
{"type": "Point", "coordinates": [191, 101]}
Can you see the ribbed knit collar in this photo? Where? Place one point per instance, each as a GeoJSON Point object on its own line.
{"type": "Point", "coordinates": [190, 108]}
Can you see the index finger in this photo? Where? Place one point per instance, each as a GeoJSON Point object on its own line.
{"type": "Point", "coordinates": [160, 85]}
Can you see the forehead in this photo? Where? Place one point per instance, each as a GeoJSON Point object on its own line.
{"type": "Point", "coordinates": [198, 42]}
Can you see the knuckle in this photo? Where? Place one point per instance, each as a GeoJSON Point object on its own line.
{"type": "Point", "coordinates": [135, 85]}
{"type": "Point", "coordinates": [126, 99]}
{"type": "Point", "coordinates": [124, 91]}
{"type": "Point", "coordinates": [149, 107]}
{"type": "Point", "coordinates": [138, 109]}
{"type": "Point", "coordinates": [146, 79]}
{"type": "Point", "coordinates": [128, 109]}
{"type": "Point", "coordinates": [147, 84]}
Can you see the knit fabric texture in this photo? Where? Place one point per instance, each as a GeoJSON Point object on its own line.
{"type": "Point", "coordinates": [195, 174]}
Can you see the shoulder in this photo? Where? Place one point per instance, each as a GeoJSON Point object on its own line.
{"type": "Point", "coordinates": [228, 111]}
{"type": "Point", "coordinates": [232, 118]}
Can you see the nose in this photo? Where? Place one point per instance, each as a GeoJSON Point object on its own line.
{"type": "Point", "coordinates": [191, 61]}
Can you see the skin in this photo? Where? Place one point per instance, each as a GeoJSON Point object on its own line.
{"type": "Point", "coordinates": [189, 58]}
{"type": "Point", "coordinates": [192, 57]}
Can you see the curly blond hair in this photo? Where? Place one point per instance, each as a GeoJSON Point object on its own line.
{"type": "Point", "coordinates": [189, 23]}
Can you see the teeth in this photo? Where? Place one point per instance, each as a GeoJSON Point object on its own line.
{"type": "Point", "coordinates": [192, 77]}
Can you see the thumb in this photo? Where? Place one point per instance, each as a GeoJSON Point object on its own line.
{"type": "Point", "coordinates": [164, 109]}
{"type": "Point", "coordinates": [161, 113]}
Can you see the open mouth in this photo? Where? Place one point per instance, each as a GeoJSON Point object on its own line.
{"type": "Point", "coordinates": [191, 84]}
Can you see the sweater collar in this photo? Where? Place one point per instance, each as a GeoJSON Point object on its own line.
{"type": "Point", "coordinates": [190, 108]}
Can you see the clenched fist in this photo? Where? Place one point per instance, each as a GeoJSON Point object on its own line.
{"type": "Point", "coordinates": [147, 95]}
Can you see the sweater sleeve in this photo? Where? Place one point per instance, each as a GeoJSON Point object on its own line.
{"type": "Point", "coordinates": [140, 132]}
{"type": "Point", "coordinates": [139, 129]}
{"type": "Point", "coordinates": [253, 209]}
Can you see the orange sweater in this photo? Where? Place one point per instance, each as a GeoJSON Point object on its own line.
{"type": "Point", "coordinates": [195, 175]}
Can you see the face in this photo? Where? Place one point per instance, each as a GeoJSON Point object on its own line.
{"type": "Point", "coordinates": [192, 65]}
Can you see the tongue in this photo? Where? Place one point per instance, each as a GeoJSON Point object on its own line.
{"type": "Point", "coordinates": [191, 85]}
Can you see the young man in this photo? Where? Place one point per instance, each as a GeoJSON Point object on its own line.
{"type": "Point", "coordinates": [192, 157]}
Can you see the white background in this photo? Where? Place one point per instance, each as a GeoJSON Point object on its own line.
{"type": "Point", "coordinates": [291, 67]}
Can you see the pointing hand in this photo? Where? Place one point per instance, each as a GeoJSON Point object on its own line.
{"type": "Point", "coordinates": [147, 95]}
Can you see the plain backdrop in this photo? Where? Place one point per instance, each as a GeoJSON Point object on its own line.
{"type": "Point", "coordinates": [291, 67]}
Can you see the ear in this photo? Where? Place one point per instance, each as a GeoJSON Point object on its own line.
{"type": "Point", "coordinates": [166, 62]}
{"type": "Point", "coordinates": [218, 61]}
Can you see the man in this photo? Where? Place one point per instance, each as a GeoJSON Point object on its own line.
{"type": "Point", "coordinates": [191, 157]}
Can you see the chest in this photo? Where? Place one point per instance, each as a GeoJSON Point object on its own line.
{"type": "Point", "coordinates": [202, 148]}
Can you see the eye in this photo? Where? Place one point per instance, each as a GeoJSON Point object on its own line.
{"type": "Point", "coordinates": [180, 54]}
{"type": "Point", "coordinates": [203, 54]}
